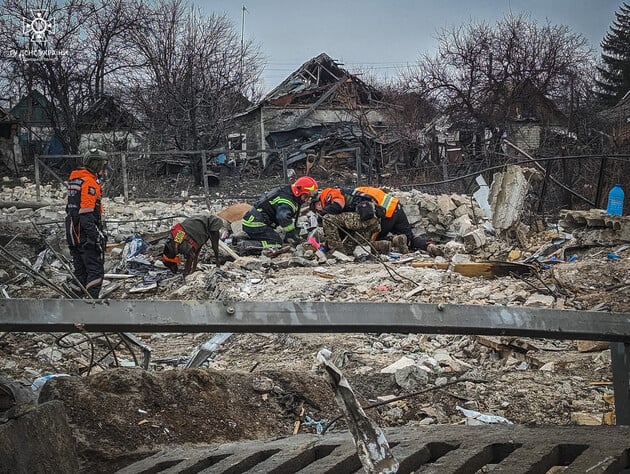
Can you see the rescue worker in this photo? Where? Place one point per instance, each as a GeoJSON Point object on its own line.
{"type": "Point", "coordinates": [348, 219]}
{"type": "Point", "coordinates": [280, 207]}
{"type": "Point", "coordinates": [367, 202]}
{"type": "Point", "coordinates": [84, 224]}
{"type": "Point", "coordinates": [346, 230]}
{"type": "Point", "coordinates": [188, 237]}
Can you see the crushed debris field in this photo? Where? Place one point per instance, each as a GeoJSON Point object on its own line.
{"type": "Point", "coordinates": [259, 386]}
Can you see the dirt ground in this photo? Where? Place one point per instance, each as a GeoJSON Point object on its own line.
{"type": "Point", "coordinates": [260, 386]}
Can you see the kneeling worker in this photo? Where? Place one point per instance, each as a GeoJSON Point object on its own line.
{"type": "Point", "coordinates": [280, 207]}
{"type": "Point", "coordinates": [188, 237]}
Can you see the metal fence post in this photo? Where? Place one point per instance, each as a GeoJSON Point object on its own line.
{"type": "Point", "coordinates": [123, 164]}
{"type": "Point", "coordinates": [620, 357]}
{"type": "Point", "coordinates": [37, 180]}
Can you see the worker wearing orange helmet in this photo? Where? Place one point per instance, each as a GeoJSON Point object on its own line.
{"type": "Point", "coordinates": [369, 202]}
{"type": "Point", "coordinates": [279, 208]}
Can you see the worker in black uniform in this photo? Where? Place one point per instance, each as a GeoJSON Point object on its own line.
{"type": "Point", "coordinates": [84, 224]}
{"type": "Point", "coordinates": [278, 208]}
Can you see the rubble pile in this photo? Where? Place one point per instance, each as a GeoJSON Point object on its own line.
{"type": "Point", "coordinates": [520, 380]}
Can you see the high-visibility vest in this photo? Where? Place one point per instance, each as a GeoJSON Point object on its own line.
{"type": "Point", "coordinates": [383, 199]}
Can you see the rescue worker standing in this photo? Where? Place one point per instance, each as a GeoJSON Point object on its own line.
{"type": "Point", "coordinates": [188, 237]}
{"type": "Point", "coordinates": [84, 225]}
{"type": "Point", "coordinates": [280, 207]}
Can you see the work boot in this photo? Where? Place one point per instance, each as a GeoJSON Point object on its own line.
{"type": "Point", "coordinates": [399, 244]}
{"type": "Point", "coordinates": [248, 247]}
{"type": "Point", "coordinates": [383, 247]}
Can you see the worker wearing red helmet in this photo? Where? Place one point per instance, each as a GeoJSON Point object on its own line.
{"type": "Point", "coordinates": [279, 208]}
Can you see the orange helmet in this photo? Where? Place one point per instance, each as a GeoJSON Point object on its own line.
{"type": "Point", "coordinates": [304, 185]}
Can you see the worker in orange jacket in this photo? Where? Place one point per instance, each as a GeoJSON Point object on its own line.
{"type": "Point", "coordinates": [369, 201]}
{"type": "Point", "coordinates": [84, 225]}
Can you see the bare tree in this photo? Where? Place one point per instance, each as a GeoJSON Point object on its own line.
{"type": "Point", "coordinates": [82, 44]}
{"type": "Point", "coordinates": [196, 75]}
{"type": "Point", "coordinates": [480, 71]}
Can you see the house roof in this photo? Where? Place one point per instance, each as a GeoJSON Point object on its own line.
{"type": "Point", "coordinates": [620, 112]}
{"type": "Point", "coordinates": [34, 109]}
{"type": "Point", "coordinates": [320, 79]}
{"type": "Point", "coordinates": [106, 114]}
{"type": "Point", "coordinates": [532, 105]}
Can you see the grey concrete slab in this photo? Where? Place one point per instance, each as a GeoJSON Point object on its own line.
{"type": "Point", "coordinates": [442, 449]}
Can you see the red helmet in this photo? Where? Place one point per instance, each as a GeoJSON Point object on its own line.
{"type": "Point", "coordinates": [304, 185]}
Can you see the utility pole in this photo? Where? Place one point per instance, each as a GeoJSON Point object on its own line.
{"type": "Point", "coordinates": [242, 40]}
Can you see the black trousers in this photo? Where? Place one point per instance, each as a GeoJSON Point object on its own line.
{"type": "Point", "coordinates": [89, 267]}
{"type": "Point", "coordinates": [397, 224]}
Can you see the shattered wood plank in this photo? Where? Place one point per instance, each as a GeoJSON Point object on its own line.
{"type": "Point", "coordinates": [234, 212]}
{"type": "Point", "coordinates": [592, 346]}
{"type": "Point", "coordinates": [225, 248]}
{"type": "Point", "coordinates": [323, 274]}
{"type": "Point", "coordinates": [497, 344]}
{"type": "Point", "coordinates": [481, 269]}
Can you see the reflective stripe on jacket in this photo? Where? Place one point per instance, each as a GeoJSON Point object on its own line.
{"type": "Point", "coordinates": [84, 208]}
{"type": "Point", "coordinates": [383, 199]}
{"type": "Point", "coordinates": [279, 207]}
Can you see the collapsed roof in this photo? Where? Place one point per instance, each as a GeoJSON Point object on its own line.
{"type": "Point", "coordinates": [319, 80]}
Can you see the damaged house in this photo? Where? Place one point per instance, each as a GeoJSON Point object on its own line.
{"type": "Point", "coordinates": [534, 121]}
{"type": "Point", "coordinates": [617, 119]}
{"type": "Point", "coordinates": [34, 112]}
{"type": "Point", "coordinates": [108, 125]}
{"type": "Point", "coordinates": [10, 152]}
{"type": "Point", "coordinates": [320, 111]}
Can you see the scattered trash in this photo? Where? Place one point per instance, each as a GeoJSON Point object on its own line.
{"type": "Point", "coordinates": [613, 256]}
{"type": "Point", "coordinates": [313, 242]}
{"type": "Point", "coordinates": [486, 419]}
{"type": "Point", "coordinates": [318, 425]}
{"type": "Point", "coordinates": [39, 382]}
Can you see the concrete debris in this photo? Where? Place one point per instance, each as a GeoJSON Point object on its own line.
{"type": "Point", "coordinates": [570, 270]}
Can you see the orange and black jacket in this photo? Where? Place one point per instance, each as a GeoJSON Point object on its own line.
{"type": "Point", "coordinates": [338, 200]}
{"type": "Point", "coordinates": [84, 208]}
{"type": "Point", "coordinates": [386, 201]}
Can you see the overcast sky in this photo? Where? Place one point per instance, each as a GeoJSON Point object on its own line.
{"type": "Point", "coordinates": [385, 35]}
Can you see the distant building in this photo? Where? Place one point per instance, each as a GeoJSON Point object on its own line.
{"type": "Point", "coordinates": [320, 109]}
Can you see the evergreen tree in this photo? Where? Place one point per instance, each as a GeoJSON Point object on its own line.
{"type": "Point", "coordinates": [614, 81]}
